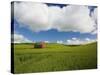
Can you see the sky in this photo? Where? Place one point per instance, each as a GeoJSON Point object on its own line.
{"type": "Point", "coordinates": [59, 23]}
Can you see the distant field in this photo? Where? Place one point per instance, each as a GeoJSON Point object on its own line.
{"type": "Point", "coordinates": [55, 57]}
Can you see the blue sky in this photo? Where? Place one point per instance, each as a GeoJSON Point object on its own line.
{"type": "Point", "coordinates": [52, 34]}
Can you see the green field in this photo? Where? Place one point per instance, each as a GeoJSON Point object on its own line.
{"type": "Point", "coordinates": [55, 57]}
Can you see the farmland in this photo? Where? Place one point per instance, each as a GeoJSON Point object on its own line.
{"type": "Point", "coordinates": [55, 57]}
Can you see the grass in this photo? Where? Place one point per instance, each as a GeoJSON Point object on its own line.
{"type": "Point", "coordinates": [55, 57]}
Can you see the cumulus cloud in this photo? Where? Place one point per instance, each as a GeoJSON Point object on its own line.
{"type": "Point", "coordinates": [46, 41]}
{"type": "Point", "coordinates": [32, 15]}
{"type": "Point", "coordinates": [87, 39]}
{"type": "Point", "coordinates": [76, 41]}
{"type": "Point", "coordinates": [40, 17]}
{"type": "Point", "coordinates": [59, 41]}
{"type": "Point", "coordinates": [75, 18]}
{"type": "Point", "coordinates": [18, 38]}
{"type": "Point", "coordinates": [94, 17]}
{"type": "Point", "coordinates": [94, 32]}
{"type": "Point", "coordinates": [74, 38]}
{"type": "Point", "coordinates": [73, 42]}
{"type": "Point", "coordinates": [94, 14]}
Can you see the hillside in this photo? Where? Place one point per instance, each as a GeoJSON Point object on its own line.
{"type": "Point", "coordinates": [55, 57]}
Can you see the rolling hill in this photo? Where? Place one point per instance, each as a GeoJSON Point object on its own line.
{"type": "Point", "coordinates": [55, 57]}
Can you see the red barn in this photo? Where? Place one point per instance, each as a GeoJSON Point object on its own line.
{"type": "Point", "coordinates": [40, 45]}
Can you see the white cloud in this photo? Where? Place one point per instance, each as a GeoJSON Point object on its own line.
{"type": "Point", "coordinates": [87, 39]}
{"type": "Point", "coordinates": [74, 38]}
{"type": "Point", "coordinates": [94, 17]}
{"type": "Point", "coordinates": [55, 16]}
{"type": "Point", "coordinates": [94, 32]}
{"type": "Point", "coordinates": [40, 17]}
{"type": "Point", "coordinates": [75, 18]}
{"type": "Point", "coordinates": [94, 14]}
{"type": "Point", "coordinates": [73, 42]}
{"type": "Point", "coordinates": [32, 15]}
{"type": "Point", "coordinates": [77, 41]}
{"type": "Point", "coordinates": [18, 38]}
{"type": "Point", "coordinates": [59, 41]}
{"type": "Point", "coordinates": [46, 41]}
